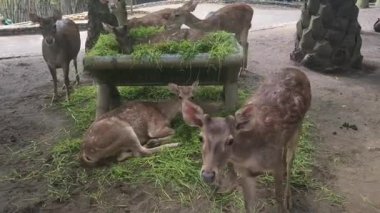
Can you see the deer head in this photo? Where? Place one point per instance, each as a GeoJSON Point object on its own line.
{"type": "Point", "coordinates": [183, 92]}
{"type": "Point", "coordinates": [180, 15]}
{"type": "Point", "coordinates": [112, 4]}
{"type": "Point", "coordinates": [217, 136]}
{"type": "Point", "coordinates": [48, 26]}
{"type": "Point", "coordinates": [122, 36]}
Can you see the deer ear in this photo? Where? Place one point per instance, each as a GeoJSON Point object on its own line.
{"type": "Point", "coordinates": [34, 18]}
{"type": "Point", "coordinates": [192, 114]}
{"type": "Point", "coordinates": [57, 14]}
{"type": "Point", "coordinates": [243, 117]}
{"type": "Point", "coordinates": [173, 88]}
{"type": "Point", "coordinates": [190, 5]}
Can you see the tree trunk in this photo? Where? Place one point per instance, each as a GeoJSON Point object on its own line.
{"type": "Point", "coordinates": [377, 3]}
{"type": "Point", "coordinates": [328, 35]}
{"type": "Point", "coordinates": [362, 3]}
{"type": "Point", "coordinates": [97, 13]}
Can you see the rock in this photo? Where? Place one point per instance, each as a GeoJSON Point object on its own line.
{"type": "Point", "coordinates": [340, 24]}
{"type": "Point", "coordinates": [334, 37]}
{"type": "Point", "coordinates": [307, 41]}
{"type": "Point", "coordinates": [299, 29]}
{"type": "Point", "coordinates": [313, 6]}
{"type": "Point", "coordinates": [348, 10]}
{"type": "Point", "coordinates": [305, 18]}
{"type": "Point", "coordinates": [339, 56]}
{"type": "Point", "coordinates": [323, 49]}
{"type": "Point", "coordinates": [327, 14]}
{"type": "Point", "coordinates": [317, 28]}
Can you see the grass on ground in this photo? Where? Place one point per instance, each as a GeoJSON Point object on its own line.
{"type": "Point", "coordinates": [176, 170]}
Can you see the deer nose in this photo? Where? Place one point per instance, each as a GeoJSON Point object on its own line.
{"type": "Point", "coordinates": [49, 40]}
{"type": "Point", "coordinates": [208, 176]}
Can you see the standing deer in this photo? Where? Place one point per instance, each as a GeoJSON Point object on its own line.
{"type": "Point", "coordinates": [376, 26]}
{"type": "Point", "coordinates": [123, 131]}
{"type": "Point", "coordinates": [262, 136]}
{"type": "Point", "coordinates": [234, 18]}
{"type": "Point", "coordinates": [60, 45]}
{"type": "Point", "coordinates": [158, 18]}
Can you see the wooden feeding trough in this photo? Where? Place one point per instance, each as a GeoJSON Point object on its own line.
{"type": "Point", "coordinates": [123, 70]}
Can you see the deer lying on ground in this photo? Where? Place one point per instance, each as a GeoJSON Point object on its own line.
{"type": "Point", "coordinates": [126, 42]}
{"type": "Point", "coordinates": [376, 26]}
{"type": "Point", "coordinates": [158, 18]}
{"type": "Point", "coordinates": [233, 18]}
{"type": "Point", "coordinates": [262, 136]}
{"type": "Point", "coordinates": [60, 45]}
{"type": "Point", "coordinates": [124, 131]}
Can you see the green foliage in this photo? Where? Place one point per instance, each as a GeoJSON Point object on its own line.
{"type": "Point", "coordinates": [218, 44]}
{"type": "Point", "coordinates": [145, 32]}
{"type": "Point", "coordinates": [106, 45]}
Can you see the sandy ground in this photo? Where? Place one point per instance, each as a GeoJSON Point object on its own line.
{"type": "Point", "coordinates": [347, 160]}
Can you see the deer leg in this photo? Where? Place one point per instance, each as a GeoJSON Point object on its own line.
{"type": "Point", "coordinates": [65, 68]}
{"type": "Point", "coordinates": [280, 175]}
{"type": "Point", "coordinates": [76, 71]}
{"type": "Point", "coordinates": [154, 142]}
{"type": "Point", "coordinates": [249, 191]}
{"type": "Point", "coordinates": [243, 40]}
{"type": "Point", "coordinates": [160, 132]}
{"type": "Point", "coordinates": [53, 73]}
{"type": "Point", "coordinates": [292, 145]}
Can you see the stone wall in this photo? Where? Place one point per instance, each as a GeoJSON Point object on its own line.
{"type": "Point", "coordinates": [328, 35]}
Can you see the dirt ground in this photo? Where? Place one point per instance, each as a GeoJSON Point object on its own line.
{"type": "Point", "coordinates": [348, 160]}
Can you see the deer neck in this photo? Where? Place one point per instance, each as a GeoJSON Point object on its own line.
{"type": "Point", "coordinates": [194, 22]}
{"type": "Point", "coordinates": [170, 108]}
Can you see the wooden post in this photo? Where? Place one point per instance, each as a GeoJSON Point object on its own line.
{"type": "Point", "coordinates": [231, 88]}
{"type": "Point", "coordinates": [108, 99]}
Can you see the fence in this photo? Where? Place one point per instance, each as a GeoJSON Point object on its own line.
{"type": "Point", "coordinates": [18, 10]}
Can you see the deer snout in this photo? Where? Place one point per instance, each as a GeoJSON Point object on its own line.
{"type": "Point", "coordinates": [49, 40]}
{"type": "Point", "coordinates": [86, 160]}
{"type": "Point", "coordinates": [208, 176]}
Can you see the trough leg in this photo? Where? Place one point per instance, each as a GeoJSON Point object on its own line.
{"type": "Point", "coordinates": [231, 89]}
{"type": "Point", "coordinates": [108, 98]}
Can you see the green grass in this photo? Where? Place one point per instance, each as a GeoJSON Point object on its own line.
{"type": "Point", "coordinates": [106, 45]}
{"type": "Point", "coordinates": [145, 32]}
{"type": "Point", "coordinates": [218, 44]}
{"type": "Point", "coordinates": [175, 172]}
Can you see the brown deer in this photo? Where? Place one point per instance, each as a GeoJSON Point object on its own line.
{"type": "Point", "coordinates": [376, 26]}
{"type": "Point", "coordinates": [60, 45]}
{"type": "Point", "coordinates": [124, 131]}
{"type": "Point", "coordinates": [158, 18]}
{"type": "Point", "coordinates": [262, 136]}
{"type": "Point", "coordinates": [233, 18]}
{"type": "Point", "coordinates": [126, 42]}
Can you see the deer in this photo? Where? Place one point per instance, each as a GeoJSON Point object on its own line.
{"type": "Point", "coordinates": [134, 129]}
{"type": "Point", "coordinates": [260, 137]}
{"type": "Point", "coordinates": [234, 18]}
{"type": "Point", "coordinates": [156, 19]}
{"type": "Point", "coordinates": [60, 45]}
{"type": "Point", "coordinates": [376, 26]}
{"type": "Point", "coordinates": [126, 42]}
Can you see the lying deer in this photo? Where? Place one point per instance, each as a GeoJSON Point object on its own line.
{"type": "Point", "coordinates": [123, 131]}
{"type": "Point", "coordinates": [158, 18]}
{"type": "Point", "coordinates": [126, 42]}
{"type": "Point", "coordinates": [234, 18]}
{"type": "Point", "coordinates": [376, 26]}
{"type": "Point", "coordinates": [262, 136]}
{"type": "Point", "coordinates": [60, 45]}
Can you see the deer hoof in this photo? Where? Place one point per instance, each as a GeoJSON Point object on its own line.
{"type": "Point", "coordinates": [153, 143]}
